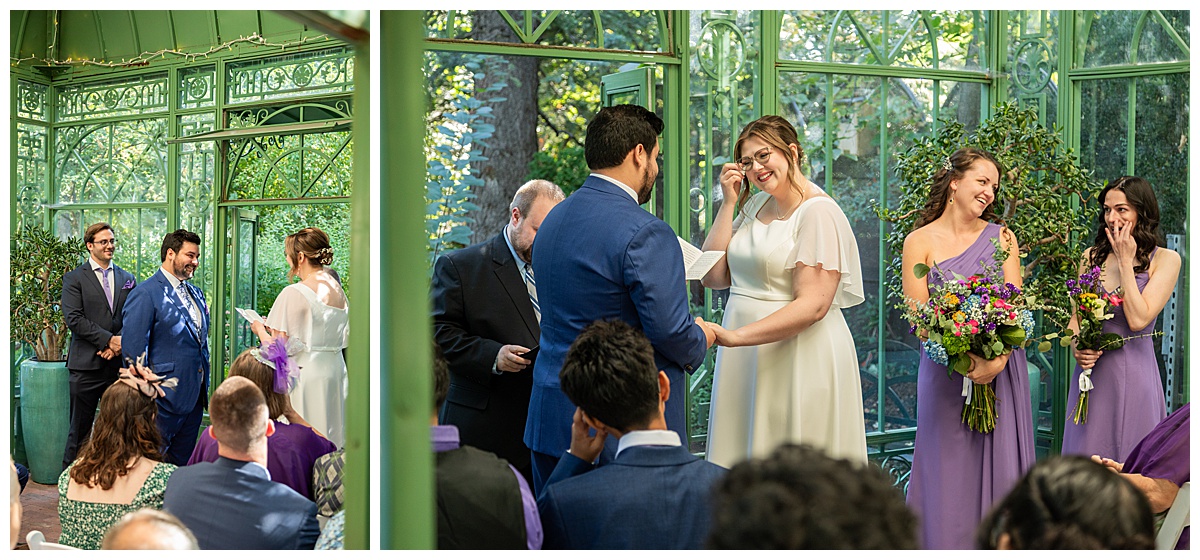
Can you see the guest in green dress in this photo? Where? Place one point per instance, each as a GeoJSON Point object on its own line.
{"type": "Point", "coordinates": [120, 469]}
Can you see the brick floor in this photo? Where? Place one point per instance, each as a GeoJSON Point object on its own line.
{"type": "Point", "coordinates": [39, 511]}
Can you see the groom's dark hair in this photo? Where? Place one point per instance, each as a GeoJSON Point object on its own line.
{"type": "Point", "coordinates": [617, 130]}
{"type": "Point", "coordinates": [174, 241]}
{"type": "Point", "coordinates": [609, 372]}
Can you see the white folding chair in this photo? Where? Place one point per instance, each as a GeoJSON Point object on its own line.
{"type": "Point", "coordinates": [37, 541]}
{"type": "Point", "coordinates": [1178, 517]}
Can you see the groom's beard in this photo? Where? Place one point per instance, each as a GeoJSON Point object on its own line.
{"type": "Point", "coordinates": [647, 187]}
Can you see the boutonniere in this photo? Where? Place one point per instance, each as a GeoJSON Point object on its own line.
{"type": "Point", "coordinates": [128, 285]}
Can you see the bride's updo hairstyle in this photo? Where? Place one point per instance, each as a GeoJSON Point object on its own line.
{"type": "Point", "coordinates": [953, 168]}
{"type": "Point", "coordinates": [310, 242]}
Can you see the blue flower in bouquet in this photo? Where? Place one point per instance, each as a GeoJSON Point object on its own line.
{"type": "Point", "coordinates": [1026, 319]}
{"type": "Point", "coordinates": [936, 352]}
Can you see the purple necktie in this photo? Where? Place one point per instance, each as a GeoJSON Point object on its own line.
{"type": "Point", "coordinates": [107, 287]}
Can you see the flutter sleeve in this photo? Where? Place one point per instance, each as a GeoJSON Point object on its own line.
{"type": "Point", "coordinates": [823, 237]}
{"type": "Point", "coordinates": [292, 314]}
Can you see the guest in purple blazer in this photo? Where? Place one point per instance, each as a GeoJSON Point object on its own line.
{"type": "Point", "coordinates": [295, 445]}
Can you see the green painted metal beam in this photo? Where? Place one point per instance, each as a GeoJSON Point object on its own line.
{"type": "Point", "coordinates": [883, 71]}
{"type": "Point", "coordinates": [406, 493]}
{"type": "Point", "coordinates": [1129, 70]}
{"type": "Point", "coordinates": [1070, 118]}
{"type": "Point", "coordinates": [571, 53]}
{"type": "Point", "coordinates": [357, 474]}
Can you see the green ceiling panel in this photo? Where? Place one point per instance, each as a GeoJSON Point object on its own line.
{"type": "Point", "coordinates": [233, 24]}
{"type": "Point", "coordinates": [155, 30]}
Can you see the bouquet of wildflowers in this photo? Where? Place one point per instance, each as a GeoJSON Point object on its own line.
{"type": "Point", "coordinates": [1092, 307]}
{"type": "Point", "coordinates": [972, 314]}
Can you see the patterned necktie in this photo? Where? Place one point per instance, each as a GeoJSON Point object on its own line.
{"type": "Point", "coordinates": [188, 303]}
{"type": "Point", "coordinates": [531, 287]}
{"type": "Point", "coordinates": [107, 286]}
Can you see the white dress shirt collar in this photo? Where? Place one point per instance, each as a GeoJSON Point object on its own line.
{"type": "Point", "coordinates": [96, 265]}
{"type": "Point", "coordinates": [648, 437]}
{"type": "Point", "coordinates": [632, 194]}
{"type": "Point", "coordinates": [174, 280]}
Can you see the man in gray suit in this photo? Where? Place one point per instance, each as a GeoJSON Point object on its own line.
{"type": "Point", "coordinates": [93, 297]}
{"type": "Point", "coordinates": [232, 503]}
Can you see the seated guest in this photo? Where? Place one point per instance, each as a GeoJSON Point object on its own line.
{"type": "Point", "coordinates": [22, 474]}
{"type": "Point", "coordinates": [1159, 464]}
{"type": "Point", "coordinates": [120, 468]}
{"type": "Point", "coordinates": [654, 494]}
{"type": "Point", "coordinates": [294, 447]}
{"type": "Point", "coordinates": [800, 498]}
{"type": "Point", "coordinates": [483, 503]}
{"type": "Point", "coordinates": [328, 491]}
{"type": "Point", "coordinates": [14, 507]}
{"type": "Point", "coordinates": [1069, 503]}
{"type": "Point", "coordinates": [232, 503]}
{"type": "Point", "coordinates": [332, 536]}
{"type": "Point", "coordinates": [148, 529]}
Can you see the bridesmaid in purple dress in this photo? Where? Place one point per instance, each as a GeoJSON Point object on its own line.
{"type": "Point", "coordinates": [1127, 400]}
{"type": "Point", "coordinates": [957, 473]}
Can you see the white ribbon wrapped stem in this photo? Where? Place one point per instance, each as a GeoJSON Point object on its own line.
{"type": "Point", "coordinates": [967, 392]}
{"type": "Point", "coordinates": [1085, 381]}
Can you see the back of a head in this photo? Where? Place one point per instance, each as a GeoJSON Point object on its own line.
{"type": "Point", "coordinates": [609, 372]}
{"type": "Point", "coordinates": [124, 429]}
{"type": "Point", "coordinates": [441, 377]}
{"type": "Point", "coordinates": [149, 529]}
{"type": "Point", "coordinates": [617, 130]}
{"type": "Point", "coordinates": [1070, 503]}
{"type": "Point", "coordinates": [263, 377]}
{"type": "Point", "coordinates": [800, 498]}
{"type": "Point", "coordinates": [238, 411]}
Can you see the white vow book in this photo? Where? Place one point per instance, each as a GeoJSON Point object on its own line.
{"type": "Point", "coordinates": [697, 262]}
{"type": "Point", "coordinates": [250, 315]}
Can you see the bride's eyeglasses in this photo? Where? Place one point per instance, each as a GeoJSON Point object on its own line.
{"type": "Point", "coordinates": [762, 157]}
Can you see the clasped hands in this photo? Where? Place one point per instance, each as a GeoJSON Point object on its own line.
{"type": "Point", "coordinates": [112, 350]}
{"type": "Point", "coordinates": [716, 334]}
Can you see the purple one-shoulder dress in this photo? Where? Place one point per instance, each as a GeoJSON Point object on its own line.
{"type": "Point", "coordinates": [957, 473]}
{"type": "Point", "coordinates": [1166, 453]}
{"type": "Point", "coordinates": [1127, 400]}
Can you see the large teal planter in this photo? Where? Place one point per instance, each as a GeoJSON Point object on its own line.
{"type": "Point", "coordinates": [45, 417]}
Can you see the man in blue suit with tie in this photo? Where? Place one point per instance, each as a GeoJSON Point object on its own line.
{"type": "Point", "coordinates": [232, 503]}
{"type": "Point", "coordinates": [654, 494]}
{"type": "Point", "coordinates": [166, 318]}
{"type": "Point", "coordinates": [599, 255]}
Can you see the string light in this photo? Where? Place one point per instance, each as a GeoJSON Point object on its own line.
{"type": "Point", "coordinates": [145, 58]}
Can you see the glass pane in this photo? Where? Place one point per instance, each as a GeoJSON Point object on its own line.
{"type": "Point", "coordinates": [721, 103]}
{"type": "Point", "coordinates": [275, 223]}
{"type": "Point", "coordinates": [30, 174]}
{"type": "Point", "coordinates": [197, 166]}
{"type": "Point", "coordinates": [139, 233]}
{"type": "Point", "coordinates": [892, 37]}
{"type": "Point", "coordinates": [1161, 145]}
{"type": "Point", "coordinates": [31, 100]}
{"type": "Point", "coordinates": [961, 102]}
{"type": "Point", "coordinates": [141, 95]}
{"type": "Point", "coordinates": [294, 75]}
{"type": "Point", "coordinates": [1103, 137]}
{"type": "Point", "coordinates": [115, 162]}
{"type": "Point", "coordinates": [292, 166]}
{"type": "Point", "coordinates": [630, 30]}
{"type": "Point", "coordinates": [197, 87]}
{"type": "Point", "coordinates": [1158, 43]}
{"type": "Point", "coordinates": [960, 39]}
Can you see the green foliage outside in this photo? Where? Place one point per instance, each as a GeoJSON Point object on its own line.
{"type": "Point", "coordinates": [276, 223]}
{"type": "Point", "coordinates": [39, 262]}
{"type": "Point", "coordinates": [1046, 198]}
{"type": "Point", "coordinates": [563, 166]}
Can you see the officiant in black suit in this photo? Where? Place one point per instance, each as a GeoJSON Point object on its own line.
{"type": "Point", "coordinates": [485, 317]}
{"type": "Point", "coordinates": [93, 296]}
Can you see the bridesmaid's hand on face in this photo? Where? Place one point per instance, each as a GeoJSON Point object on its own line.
{"type": "Point", "coordinates": [1123, 244]}
{"type": "Point", "coordinates": [1087, 358]}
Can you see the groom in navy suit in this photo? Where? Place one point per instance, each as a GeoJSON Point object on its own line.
{"type": "Point", "coordinates": [166, 318]}
{"type": "Point", "coordinates": [599, 255]}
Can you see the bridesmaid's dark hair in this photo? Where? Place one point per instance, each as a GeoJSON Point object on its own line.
{"type": "Point", "coordinates": [780, 135]}
{"type": "Point", "coordinates": [953, 169]}
{"type": "Point", "coordinates": [1146, 232]}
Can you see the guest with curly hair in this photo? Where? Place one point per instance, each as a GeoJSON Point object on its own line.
{"type": "Point", "coordinates": [800, 498]}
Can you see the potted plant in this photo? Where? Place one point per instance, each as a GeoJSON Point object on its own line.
{"type": "Point", "coordinates": [39, 261]}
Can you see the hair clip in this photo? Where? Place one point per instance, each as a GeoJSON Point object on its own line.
{"type": "Point", "coordinates": [947, 165]}
{"type": "Point", "coordinates": [144, 380]}
{"type": "Point", "coordinates": [275, 356]}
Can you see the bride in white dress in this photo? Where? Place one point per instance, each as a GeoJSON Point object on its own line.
{"type": "Point", "coordinates": [787, 369]}
{"type": "Point", "coordinates": [314, 313]}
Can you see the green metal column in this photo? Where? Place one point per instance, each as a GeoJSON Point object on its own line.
{"type": "Point", "coordinates": [1070, 119]}
{"type": "Point", "coordinates": [675, 134]}
{"type": "Point", "coordinates": [769, 23]}
{"type": "Point", "coordinates": [407, 496]}
{"type": "Point", "coordinates": [357, 471]}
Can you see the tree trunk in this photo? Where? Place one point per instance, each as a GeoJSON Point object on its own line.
{"type": "Point", "coordinates": [512, 146]}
